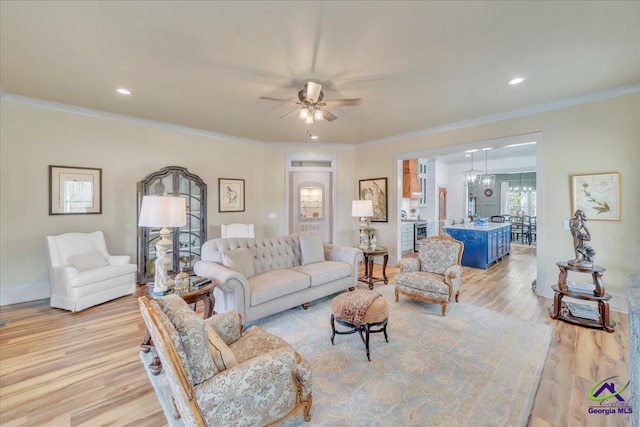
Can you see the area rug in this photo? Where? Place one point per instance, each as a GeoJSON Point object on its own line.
{"type": "Point", "coordinates": [474, 367]}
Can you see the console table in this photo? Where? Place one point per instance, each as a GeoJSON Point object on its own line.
{"type": "Point", "coordinates": [573, 312]}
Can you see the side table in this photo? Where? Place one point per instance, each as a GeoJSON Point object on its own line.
{"type": "Point", "coordinates": [203, 292]}
{"type": "Point", "coordinates": [369, 255]}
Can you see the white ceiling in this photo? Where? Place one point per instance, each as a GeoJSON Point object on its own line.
{"type": "Point", "coordinates": [418, 65]}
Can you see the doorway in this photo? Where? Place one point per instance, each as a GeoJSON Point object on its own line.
{"type": "Point", "coordinates": [311, 192]}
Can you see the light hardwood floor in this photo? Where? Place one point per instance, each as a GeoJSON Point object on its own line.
{"type": "Point", "coordinates": [76, 369]}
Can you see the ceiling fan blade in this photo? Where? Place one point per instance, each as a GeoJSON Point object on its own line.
{"type": "Point", "coordinates": [294, 113]}
{"type": "Point", "coordinates": [343, 102]}
{"type": "Point", "coordinates": [313, 92]}
{"type": "Point", "coordinates": [328, 116]}
{"type": "Point", "coordinates": [268, 98]}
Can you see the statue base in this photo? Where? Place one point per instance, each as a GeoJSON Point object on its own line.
{"type": "Point", "coordinates": [580, 263]}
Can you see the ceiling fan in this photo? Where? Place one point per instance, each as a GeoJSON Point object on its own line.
{"type": "Point", "coordinates": [312, 104]}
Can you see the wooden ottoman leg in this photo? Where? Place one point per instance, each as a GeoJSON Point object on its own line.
{"type": "Point", "coordinates": [444, 309]}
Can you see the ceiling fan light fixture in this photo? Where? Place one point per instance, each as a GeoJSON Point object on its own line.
{"type": "Point", "coordinates": [309, 120]}
{"type": "Point", "coordinates": [318, 116]}
{"type": "Point", "coordinates": [304, 113]}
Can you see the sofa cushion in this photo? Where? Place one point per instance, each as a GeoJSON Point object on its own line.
{"type": "Point", "coordinates": [239, 260]}
{"type": "Point", "coordinates": [276, 283]}
{"type": "Point", "coordinates": [324, 272]}
{"type": "Point", "coordinates": [107, 272]}
{"type": "Point", "coordinates": [311, 248]}
{"type": "Point", "coordinates": [87, 261]}
{"type": "Point", "coordinates": [221, 354]}
{"type": "Point", "coordinates": [193, 334]}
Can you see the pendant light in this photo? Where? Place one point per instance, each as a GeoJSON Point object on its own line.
{"type": "Point", "coordinates": [487, 180]}
{"type": "Point", "coordinates": [471, 176]}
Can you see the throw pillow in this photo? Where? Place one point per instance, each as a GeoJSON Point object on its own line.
{"type": "Point", "coordinates": [87, 261]}
{"type": "Point", "coordinates": [239, 260]}
{"type": "Point", "coordinates": [221, 354]}
{"type": "Point", "coordinates": [311, 248]}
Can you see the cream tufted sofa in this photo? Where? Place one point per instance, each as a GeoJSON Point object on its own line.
{"type": "Point", "coordinates": [260, 277]}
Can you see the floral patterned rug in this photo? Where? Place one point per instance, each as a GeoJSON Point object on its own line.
{"type": "Point", "coordinates": [474, 367]}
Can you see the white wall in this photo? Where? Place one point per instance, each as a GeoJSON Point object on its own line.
{"type": "Point", "coordinates": [601, 136]}
{"type": "Point", "coordinates": [32, 138]}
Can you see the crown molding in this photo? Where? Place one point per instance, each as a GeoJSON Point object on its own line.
{"type": "Point", "coordinates": [556, 105]}
{"type": "Point", "coordinates": [527, 111]}
{"type": "Point", "coordinates": [50, 105]}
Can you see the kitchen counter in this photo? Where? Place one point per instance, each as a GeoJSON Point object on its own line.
{"type": "Point", "coordinates": [483, 244]}
{"type": "Point", "coordinates": [471, 226]}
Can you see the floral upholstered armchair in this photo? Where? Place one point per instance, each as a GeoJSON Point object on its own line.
{"type": "Point", "coordinates": [433, 277]}
{"type": "Point", "coordinates": [220, 377]}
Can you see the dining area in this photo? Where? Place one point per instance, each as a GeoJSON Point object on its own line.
{"type": "Point", "coordinates": [523, 227]}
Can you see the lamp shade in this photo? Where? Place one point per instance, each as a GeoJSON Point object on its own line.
{"type": "Point", "coordinates": [163, 211]}
{"type": "Point", "coordinates": [362, 208]}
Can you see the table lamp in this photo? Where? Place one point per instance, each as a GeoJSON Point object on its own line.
{"type": "Point", "coordinates": [362, 209]}
{"type": "Point", "coordinates": [164, 212]}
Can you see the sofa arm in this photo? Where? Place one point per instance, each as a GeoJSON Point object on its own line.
{"type": "Point", "coordinates": [119, 259]}
{"type": "Point", "coordinates": [228, 279]}
{"type": "Point", "coordinates": [452, 277]}
{"type": "Point", "coordinates": [346, 254]}
{"type": "Point", "coordinates": [228, 325]}
{"type": "Point", "coordinates": [272, 369]}
{"type": "Point", "coordinates": [236, 294]}
{"type": "Point", "coordinates": [408, 265]}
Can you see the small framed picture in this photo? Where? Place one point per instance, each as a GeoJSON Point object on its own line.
{"type": "Point", "coordinates": [597, 195]}
{"type": "Point", "coordinates": [75, 190]}
{"type": "Point", "coordinates": [231, 195]}
{"type": "Point", "coordinates": [375, 189]}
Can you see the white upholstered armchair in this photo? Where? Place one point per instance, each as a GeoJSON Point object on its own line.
{"type": "Point", "coordinates": [82, 273]}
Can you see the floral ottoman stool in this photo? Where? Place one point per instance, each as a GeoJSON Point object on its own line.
{"type": "Point", "coordinates": [361, 311]}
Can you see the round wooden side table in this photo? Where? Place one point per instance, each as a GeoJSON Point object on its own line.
{"type": "Point", "coordinates": [369, 255]}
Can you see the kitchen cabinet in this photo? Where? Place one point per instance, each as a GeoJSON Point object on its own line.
{"type": "Point", "coordinates": [422, 180]}
{"type": "Point", "coordinates": [483, 245]}
{"type": "Point", "coordinates": [406, 240]}
{"type": "Point", "coordinates": [410, 184]}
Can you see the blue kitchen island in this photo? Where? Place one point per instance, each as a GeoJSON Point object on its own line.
{"type": "Point", "coordinates": [483, 244]}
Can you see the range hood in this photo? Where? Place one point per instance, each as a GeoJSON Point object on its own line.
{"type": "Point", "coordinates": [410, 184]}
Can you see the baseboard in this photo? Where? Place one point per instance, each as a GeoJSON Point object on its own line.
{"type": "Point", "coordinates": [24, 293]}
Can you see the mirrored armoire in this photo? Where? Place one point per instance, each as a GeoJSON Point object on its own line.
{"type": "Point", "coordinates": [187, 240]}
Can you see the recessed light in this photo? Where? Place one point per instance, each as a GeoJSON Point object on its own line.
{"type": "Point", "coordinates": [123, 91]}
{"type": "Point", "coordinates": [516, 81]}
{"type": "Point", "coordinates": [314, 136]}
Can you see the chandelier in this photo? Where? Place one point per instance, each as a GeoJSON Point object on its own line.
{"type": "Point", "coordinates": [471, 176]}
{"type": "Point", "coordinates": [487, 180]}
{"type": "Point", "coordinates": [311, 114]}
{"type": "Point", "coordinates": [520, 190]}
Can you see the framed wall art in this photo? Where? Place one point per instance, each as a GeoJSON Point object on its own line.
{"type": "Point", "coordinates": [231, 195]}
{"type": "Point", "coordinates": [598, 195]}
{"type": "Point", "coordinates": [74, 190]}
{"type": "Point", "coordinates": [375, 189]}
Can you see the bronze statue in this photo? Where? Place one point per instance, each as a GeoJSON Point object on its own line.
{"type": "Point", "coordinates": [584, 253]}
